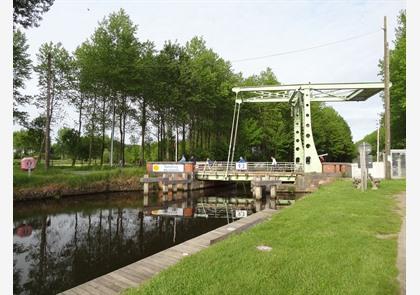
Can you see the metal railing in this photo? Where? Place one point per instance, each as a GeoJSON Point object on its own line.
{"type": "Point", "coordinates": [204, 167]}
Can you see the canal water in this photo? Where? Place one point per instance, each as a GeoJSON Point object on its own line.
{"type": "Point", "coordinates": [58, 244]}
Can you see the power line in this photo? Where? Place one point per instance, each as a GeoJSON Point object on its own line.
{"type": "Point", "coordinates": [306, 49]}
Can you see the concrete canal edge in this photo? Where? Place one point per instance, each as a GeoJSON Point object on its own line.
{"type": "Point", "coordinates": [139, 272]}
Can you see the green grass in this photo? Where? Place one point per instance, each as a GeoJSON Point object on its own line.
{"type": "Point", "coordinates": [70, 176]}
{"type": "Point", "coordinates": [324, 244]}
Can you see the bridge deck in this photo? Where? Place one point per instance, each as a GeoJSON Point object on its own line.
{"type": "Point", "coordinates": [249, 171]}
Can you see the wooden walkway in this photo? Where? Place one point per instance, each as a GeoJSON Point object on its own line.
{"type": "Point", "coordinates": [138, 272]}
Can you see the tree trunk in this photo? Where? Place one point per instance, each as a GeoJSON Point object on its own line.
{"type": "Point", "coordinates": [92, 130]}
{"type": "Point", "coordinates": [103, 131]}
{"type": "Point", "coordinates": [120, 154]}
{"type": "Point", "coordinates": [183, 138]}
{"type": "Point", "coordinates": [47, 124]}
{"type": "Point", "coordinates": [111, 156]}
{"type": "Point", "coordinates": [143, 130]}
{"type": "Point", "coordinates": [79, 132]}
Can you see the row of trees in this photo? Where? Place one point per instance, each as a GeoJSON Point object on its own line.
{"type": "Point", "coordinates": [117, 82]}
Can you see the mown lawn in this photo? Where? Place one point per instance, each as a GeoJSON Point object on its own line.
{"type": "Point", "coordinates": [327, 243]}
{"type": "Point", "coordinates": [71, 176]}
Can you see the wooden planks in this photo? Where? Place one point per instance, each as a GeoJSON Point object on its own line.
{"type": "Point", "coordinates": [138, 272]}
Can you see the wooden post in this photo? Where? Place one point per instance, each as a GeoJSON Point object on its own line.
{"type": "Point", "coordinates": [258, 195]}
{"type": "Point", "coordinates": [387, 105]}
{"type": "Point", "coordinates": [273, 196]}
{"type": "Point", "coordinates": [175, 186]}
{"type": "Point", "coordinates": [145, 185]}
{"type": "Point", "coordinates": [185, 185]}
{"type": "Point", "coordinates": [170, 185]}
{"type": "Point", "coordinates": [164, 188]}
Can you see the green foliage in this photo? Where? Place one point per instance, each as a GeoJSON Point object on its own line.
{"type": "Point", "coordinates": [72, 177]}
{"type": "Point", "coordinates": [116, 80]}
{"type": "Point", "coordinates": [68, 141]}
{"type": "Point", "coordinates": [27, 142]}
{"type": "Point", "coordinates": [27, 13]}
{"type": "Point", "coordinates": [397, 73]}
{"type": "Point", "coordinates": [21, 72]}
{"type": "Point", "coordinates": [371, 139]}
{"type": "Point", "coordinates": [326, 243]}
{"type": "Point", "coordinates": [332, 134]}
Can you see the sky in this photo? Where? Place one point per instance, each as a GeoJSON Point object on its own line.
{"type": "Point", "coordinates": [238, 30]}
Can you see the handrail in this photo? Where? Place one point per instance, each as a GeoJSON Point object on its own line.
{"type": "Point", "coordinates": [204, 167]}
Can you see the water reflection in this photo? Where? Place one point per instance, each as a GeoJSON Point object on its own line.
{"type": "Point", "coordinates": [60, 244]}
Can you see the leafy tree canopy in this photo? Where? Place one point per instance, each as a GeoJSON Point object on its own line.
{"type": "Point", "coordinates": [28, 13]}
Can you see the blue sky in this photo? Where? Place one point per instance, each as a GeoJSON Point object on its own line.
{"type": "Point", "coordinates": [244, 29]}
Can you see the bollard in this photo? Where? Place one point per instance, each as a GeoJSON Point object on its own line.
{"type": "Point", "coordinates": [170, 185]}
{"type": "Point", "coordinates": [145, 200]}
{"type": "Point", "coordinates": [258, 194]}
{"type": "Point", "coordinates": [164, 184]}
{"type": "Point", "coordinates": [175, 185]}
{"type": "Point", "coordinates": [146, 185]}
{"type": "Point", "coordinates": [273, 197]}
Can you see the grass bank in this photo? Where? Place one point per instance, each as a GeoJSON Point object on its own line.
{"type": "Point", "coordinates": [331, 242]}
{"type": "Point", "coordinates": [65, 179]}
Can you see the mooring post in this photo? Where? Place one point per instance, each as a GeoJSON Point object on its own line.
{"type": "Point", "coordinates": [170, 185]}
{"type": "Point", "coordinates": [145, 185]}
{"type": "Point", "coordinates": [175, 185]}
{"type": "Point", "coordinates": [273, 188]}
{"type": "Point", "coordinates": [164, 185]}
{"type": "Point", "coordinates": [185, 184]}
{"type": "Point", "coordinates": [258, 194]}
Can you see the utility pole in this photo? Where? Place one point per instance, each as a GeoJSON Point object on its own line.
{"type": "Point", "coordinates": [377, 140]}
{"type": "Point", "coordinates": [111, 156]}
{"type": "Point", "coordinates": [176, 143]}
{"type": "Point", "coordinates": [48, 119]}
{"type": "Point", "coordinates": [387, 106]}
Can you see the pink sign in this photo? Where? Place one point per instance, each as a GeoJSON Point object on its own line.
{"type": "Point", "coordinates": [27, 163]}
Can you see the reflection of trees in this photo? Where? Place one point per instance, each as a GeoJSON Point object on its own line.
{"type": "Point", "coordinates": [78, 247]}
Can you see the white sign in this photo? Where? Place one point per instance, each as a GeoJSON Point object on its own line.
{"type": "Point", "coordinates": [241, 166]}
{"type": "Point", "coordinates": [241, 213]}
{"type": "Point", "coordinates": [168, 168]}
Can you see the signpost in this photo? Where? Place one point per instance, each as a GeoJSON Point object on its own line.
{"type": "Point", "coordinates": [364, 150]}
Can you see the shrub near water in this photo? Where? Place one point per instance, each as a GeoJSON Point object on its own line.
{"type": "Point", "coordinates": [327, 243]}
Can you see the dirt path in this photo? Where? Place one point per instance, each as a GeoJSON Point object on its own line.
{"type": "Point", "coordinates": [401, 244]}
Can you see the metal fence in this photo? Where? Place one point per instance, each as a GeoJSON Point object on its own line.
{"type": "Point", "coordinates": [204, 167]}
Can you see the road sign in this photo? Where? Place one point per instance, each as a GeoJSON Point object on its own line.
{"type": "Point", "coordinates": [367, 147]}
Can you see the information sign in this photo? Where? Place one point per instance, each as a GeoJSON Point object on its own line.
{"type": "Point", "coordinates": [174, 168]}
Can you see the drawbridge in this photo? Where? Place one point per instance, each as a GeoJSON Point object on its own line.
{"type": "Point", "coordinates": [299, 97]}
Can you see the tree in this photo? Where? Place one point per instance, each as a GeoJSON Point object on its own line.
{"type": "Point", "coordinates": [331, 134]}
{"type": "Point", "coordinates": [27, 13]}
{"type": "Point", "coordinates": [21, 72]}
{"type": "Point", "coordinates": [68, 141]}
{"type": "Point", "coordinates": [108, 64]}
{"type": "Point", "coordinates": [397, 70]}
{"type": "Point", "coordinates": [29, 141]}
{"type": "Point", "coordinates": [53, 79]}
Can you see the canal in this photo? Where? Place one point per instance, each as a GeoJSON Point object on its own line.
{"type": "Point", "coordinates": [58, 244]}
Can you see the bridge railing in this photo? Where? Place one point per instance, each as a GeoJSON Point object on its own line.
{"type": "Point", "coordinates": [216, 166]}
